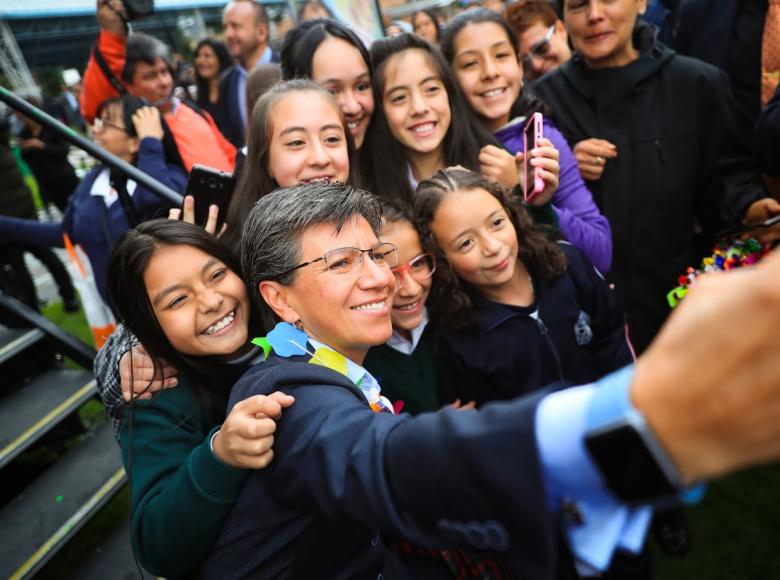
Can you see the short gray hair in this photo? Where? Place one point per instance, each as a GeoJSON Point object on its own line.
{"type": "Point", "coordinates": [271, 238]}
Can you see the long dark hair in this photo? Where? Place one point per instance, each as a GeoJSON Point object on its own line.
{"type": "Point", "coordinates": [302, 41]}
{"type": "Point", "coordinates": [132, 307]}
{"type": "Point", "coordinates": [384, 154]}
{"type": "Point", "coordinates": [225, 61]}
{"type": "Point", "coordinates": [451, 298]}
{"type": "Point", "coordinates": [526, 103]}
{"type": "Point", "coordinates": [255, 181]}
{"type": "Point", "coordinates": [433, 16]}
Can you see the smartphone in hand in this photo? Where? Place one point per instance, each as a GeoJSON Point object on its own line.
{"type": "Point", "coordinates": [210, 187]}
{"type": "Point", "coordinates": [533, 184]}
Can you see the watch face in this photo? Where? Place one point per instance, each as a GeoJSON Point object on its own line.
{"type": "Point", "coordinates": [628, 466]}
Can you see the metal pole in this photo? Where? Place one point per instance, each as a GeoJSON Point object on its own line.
{"type": "Point", "coordinates": [81, 142]}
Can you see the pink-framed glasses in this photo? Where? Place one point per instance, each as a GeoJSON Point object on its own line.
{"type": "Point", "coordinates": [419, 268]}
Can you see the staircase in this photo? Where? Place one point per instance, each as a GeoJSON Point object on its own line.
{"type": "Point", "coordinates": [50, 488]}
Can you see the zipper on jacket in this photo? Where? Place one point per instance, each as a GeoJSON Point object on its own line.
{"type": "Point", "coordinates": [546, 334]}
{"type": "Point", "coordinates": [660, 150]}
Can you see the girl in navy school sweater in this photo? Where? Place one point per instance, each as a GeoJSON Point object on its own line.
{"type": "Point", "coordinates": [517, 311]}
{"type": "Point", "coordinates": [95, 216]}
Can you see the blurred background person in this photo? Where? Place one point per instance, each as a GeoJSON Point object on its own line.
{"type": "Point", "coordinates": [16, 202]}
{"type": "Point", "coordinates": [69, 110]}
{"type": "Point", "coordinates": [46, 153]}
{"type": "Point", "coordinates": [313, 10]}
{"type": "Point", "coordinates": [542, 41]}
{"type": "Point", "coordinates": [426, 25]}
{"type": "Point", "coordinates": [246, 35]}
{"type": "Point", "coordinates": [494, 5]}
{"type": "Point", "coordinates": [211, 60]}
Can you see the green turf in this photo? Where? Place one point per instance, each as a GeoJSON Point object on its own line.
{"type": "Point", "coordinates": [736, 531]}
{"type": "Point", "coordinates": [72, 322]}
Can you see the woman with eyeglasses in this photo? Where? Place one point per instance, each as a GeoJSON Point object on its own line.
{"type": "Point", "coordinates": [656, 142]}
{"type": "Point", "coordinates": [542, 40]}
{"type": "Point", "coordinates": [105, 204]}
{"type": "Point", "coordinates": [345, 470]}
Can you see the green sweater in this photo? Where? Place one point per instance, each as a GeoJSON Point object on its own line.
{"type": "Point", "coordinates": [181, 493]}
{"type": "Point", "coordinates": [411, 378]}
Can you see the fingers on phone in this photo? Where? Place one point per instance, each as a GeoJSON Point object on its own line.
{"type": "Point", "coordinates": [211, 222]}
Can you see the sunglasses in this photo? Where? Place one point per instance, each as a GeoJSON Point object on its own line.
{"type": "Point", "coordinates": [539, 48]}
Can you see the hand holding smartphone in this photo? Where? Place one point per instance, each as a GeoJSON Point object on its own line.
{"type": "Point", "coordinates": [533, 184]}
{"type": "Point", "coordinates": [209, 187]}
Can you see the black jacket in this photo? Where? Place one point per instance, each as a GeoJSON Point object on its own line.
{"type": "Point", "coordinates": [678, 164]}
{"type": "Point", "coordinates": [342, 473]}
{"type": "Point", "coordinates": [574, 333]}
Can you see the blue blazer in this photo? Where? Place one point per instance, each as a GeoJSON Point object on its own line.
{"type": "Point", "coordinates": [230, 116]}
{"type": "Point", "coordinates": [343, 475]}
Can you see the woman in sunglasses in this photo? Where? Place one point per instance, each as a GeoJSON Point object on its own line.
{"type": "Point", "coordinates": [541, 36]}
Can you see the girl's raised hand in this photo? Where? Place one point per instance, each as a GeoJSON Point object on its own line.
{"type": "Point", "coordinates": [188, 215]}
{"type": "Point", "coordinates": [246, 438]}
{"type": "Point", "coordinates": [545, 159]}
{"type": "Point", "coordinates": [498, 165]}
{"type": "Point", "coordinates": [148, 123]}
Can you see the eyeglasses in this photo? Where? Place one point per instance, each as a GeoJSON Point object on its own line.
{"type": "Point", "coordinates": [344, 260]}
{"type": "Point", "coordinates": [539, 48]}
{"type": "Point", "coordinates": [99, 124]}
{"type": "Point", "coordinates": [419, 268]}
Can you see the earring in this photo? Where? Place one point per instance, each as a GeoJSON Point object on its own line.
{"type": "Point", "coordinates": [297, 324]}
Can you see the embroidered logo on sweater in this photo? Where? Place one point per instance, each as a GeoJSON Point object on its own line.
{"type": "Point", "coordinates": [583, 334]}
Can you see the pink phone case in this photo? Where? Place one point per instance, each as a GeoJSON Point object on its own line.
{"type": "Point", "coordinates": [533, 128]}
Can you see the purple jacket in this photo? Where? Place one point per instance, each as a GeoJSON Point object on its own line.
{"type": "Point", "coordinates": [578, 217]}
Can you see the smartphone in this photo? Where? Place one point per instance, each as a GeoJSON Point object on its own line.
{"type": "Point", "coordinates": [532, 133]}
{"type": "Point", "coordinates": [210, 186]}
{"type": "Point", "coordinates": [742, 228]}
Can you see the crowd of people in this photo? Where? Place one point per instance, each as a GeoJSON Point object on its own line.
{"type": "Point", "coordinates": [387, 362]}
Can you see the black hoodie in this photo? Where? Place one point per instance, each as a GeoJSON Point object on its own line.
{"type": "Point", "coordinates": [678, 165]}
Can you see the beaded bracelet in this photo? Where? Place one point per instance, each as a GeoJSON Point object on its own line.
{"type": "Point", "coordinates": [727, 255]}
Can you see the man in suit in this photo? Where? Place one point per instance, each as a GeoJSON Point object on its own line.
{"type": "Point", "coordinates": [246, 36]}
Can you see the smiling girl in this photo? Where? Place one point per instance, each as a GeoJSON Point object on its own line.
{"type": "Point", "coordinates": [335, 58]}
{"type": "Point", "coordinates": [177, 288]}
{"type": "Point", "coordinates": [296, 134]}
{"type": "Point", "coordinates": [522, 311]}
{"type": "Point", "coordinates": [406, 364]}
{"type": "Point", "coordinates": [422, 124]}
{"type": "Point", "coordinates": [480, 47]}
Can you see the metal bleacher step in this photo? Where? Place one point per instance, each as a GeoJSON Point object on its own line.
{"type": "Point", "coordinates": [15, 340]}
{"type": "Point", "coordinates": [38, 522]}
{"type": "Point", "coordinates": [113, 558]}
{"type": "Point", "coordinates": [30, 412]}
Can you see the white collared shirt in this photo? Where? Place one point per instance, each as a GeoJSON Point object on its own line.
{"type": "Point", "coordinates": [101, 187]}
{"type": "Point", "coordinates": [399, 343]}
